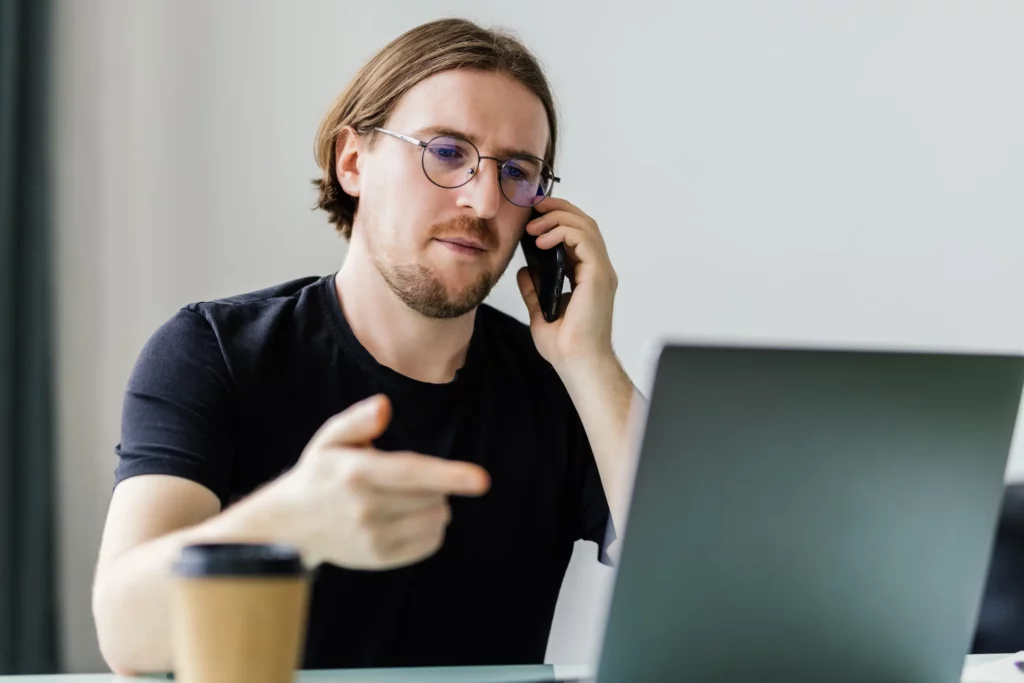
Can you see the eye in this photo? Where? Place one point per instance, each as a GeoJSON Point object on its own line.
{"type": "Point", "coordinates": [450, 152]}
{"type": "Point", "coordinates": [520, 170]}
{"type": "Point", "coordinates": [446, 152]}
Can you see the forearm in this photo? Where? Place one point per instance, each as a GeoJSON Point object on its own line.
{"type": "Point", "coordinates": [131, 595]}
{"type": "Point", "coordinates": [606, 399]}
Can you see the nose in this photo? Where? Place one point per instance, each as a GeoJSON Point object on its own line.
{"type": "Point", "coordinates": [483, 192]}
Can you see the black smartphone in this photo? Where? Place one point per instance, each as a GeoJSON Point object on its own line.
{"type": "Point", "coordinates": [547, 268]}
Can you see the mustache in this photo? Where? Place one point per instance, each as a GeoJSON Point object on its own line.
{"type": "Point", "coordinates": [466, 226]}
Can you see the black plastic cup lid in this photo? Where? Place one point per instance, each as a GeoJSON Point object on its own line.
{"type": "Point", "coordinates": [238, 559]}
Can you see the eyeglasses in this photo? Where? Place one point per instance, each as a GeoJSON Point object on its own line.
{"type": "Point", "coordinates": [450, 161]}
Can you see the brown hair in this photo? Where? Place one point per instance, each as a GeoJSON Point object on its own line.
{"type": "Point", "coordinates": [431, 48]}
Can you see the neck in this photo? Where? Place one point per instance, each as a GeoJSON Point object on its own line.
{"type": "Point", "coordinates": [424, 349]}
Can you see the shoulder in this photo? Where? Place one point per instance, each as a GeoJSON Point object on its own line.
{"type": "Point", "coordinates": [208, 333]}
{"type": "Point", "coordinates": [295, 298]}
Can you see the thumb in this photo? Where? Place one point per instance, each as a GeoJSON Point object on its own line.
{"type": "Point", "coordinates": [357, 425]}
{"type": "Point", "coordinates": [529, 293]}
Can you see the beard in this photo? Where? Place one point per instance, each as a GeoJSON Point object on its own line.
{"type": "Point", "coordinates": [423, 291]}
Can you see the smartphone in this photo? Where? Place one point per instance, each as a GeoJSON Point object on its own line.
{"type": "Point", "coordinates": [547, 268]}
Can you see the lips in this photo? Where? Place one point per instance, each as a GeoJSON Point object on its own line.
{"type": "Point", "coordinates": [463, 242]}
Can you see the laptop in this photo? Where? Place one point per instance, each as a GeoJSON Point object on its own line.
{"type": "Point", "coordinates": [811, 515]}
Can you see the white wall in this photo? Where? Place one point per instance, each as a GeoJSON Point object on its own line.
{"type": "Point", "coordinates": [831, 172]}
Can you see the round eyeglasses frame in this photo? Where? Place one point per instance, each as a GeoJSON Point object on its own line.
{"type": "Point", "coordinates": [476, 168]}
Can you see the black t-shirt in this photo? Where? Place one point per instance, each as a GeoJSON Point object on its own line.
{"type": "Point", "coordinates": [228, 393]}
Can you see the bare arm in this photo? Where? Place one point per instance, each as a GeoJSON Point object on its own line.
{"type": "Point", "coordinates": [150, 519]}
{"type": "Point", "coordinates": [609, 406]}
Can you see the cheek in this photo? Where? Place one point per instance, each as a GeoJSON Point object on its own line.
{"type": "Point", "coordinates": [391, 179]}
{"type": "Point", "coordinates": [511, 231]}
{"type": "Point", "coordinates": [398, 199]}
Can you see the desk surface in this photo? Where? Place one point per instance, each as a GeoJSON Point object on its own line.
{"type": "Point", "coordinates": [471, 674]}
{"type": "Point", "coordinates": [486, 674]}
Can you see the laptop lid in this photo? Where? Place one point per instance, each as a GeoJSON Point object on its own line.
{"type": "Point", "coordinates": [810, 515]}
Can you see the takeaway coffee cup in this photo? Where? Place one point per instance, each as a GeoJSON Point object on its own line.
{"type": "Point", "coordinates": [238, 613]}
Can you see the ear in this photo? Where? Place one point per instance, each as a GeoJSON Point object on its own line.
{"type": "Point", "coordinates": [348, 149]}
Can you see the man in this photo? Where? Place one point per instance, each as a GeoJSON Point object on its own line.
{"type": "Point", "coordinates": [433, 458]}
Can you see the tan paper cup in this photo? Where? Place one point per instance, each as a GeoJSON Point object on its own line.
{"type": "Point", "coordinates": [238, 613]}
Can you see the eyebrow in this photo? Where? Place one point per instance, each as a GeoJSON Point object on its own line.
{"type": "Point", "coordinates": [505, 152]}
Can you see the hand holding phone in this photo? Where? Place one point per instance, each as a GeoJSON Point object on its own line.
{"type": "Point", "coordinates": [547, 269]}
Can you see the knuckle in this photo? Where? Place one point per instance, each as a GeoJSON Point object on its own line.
{"type": "Point", "coordinates": [316, 462]}
{"type": "Point", "coordinates": [308, 461]}
{"type": "Point", "coordinates": [363, 513]}
{"type": "Point", "coordinates": [351, 473]}
{"type": "Point", "coordinates": [334, 424]}
{"type": "Point", "coordinates": [379, 545]}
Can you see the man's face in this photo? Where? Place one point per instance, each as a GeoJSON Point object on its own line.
{"type": "Point", "coordinates": [442, 250]}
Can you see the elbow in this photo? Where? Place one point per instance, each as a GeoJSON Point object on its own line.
{"type": "Point", "coordinates": [121, 642]}
{"type": "Point", "coordinates": [111, 649]}
{"type": "Point", "coordinates": [118, 660]}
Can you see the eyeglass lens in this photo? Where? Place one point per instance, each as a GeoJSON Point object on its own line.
{"type": "Point", "coordinates": [452, 162]}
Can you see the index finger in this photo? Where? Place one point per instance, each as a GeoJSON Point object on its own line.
{"type": "Point", "coordinates": [549, 204]}
{"type": "Point", "coordinates": [555, 211]}
{"type": "Point", "coordinates": [413, 472]}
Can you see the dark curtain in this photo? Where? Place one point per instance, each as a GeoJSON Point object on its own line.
{"type": "Point", "coordinates": [27, 577]}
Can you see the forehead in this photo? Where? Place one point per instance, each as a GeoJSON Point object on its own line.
{"type": "Point", "coordinates": [494, 110]}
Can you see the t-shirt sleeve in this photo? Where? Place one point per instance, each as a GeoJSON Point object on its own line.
{"type": "Point", "coordinates": [595, 520]}
{"type": "Point", "coordinates": [177, 416]}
